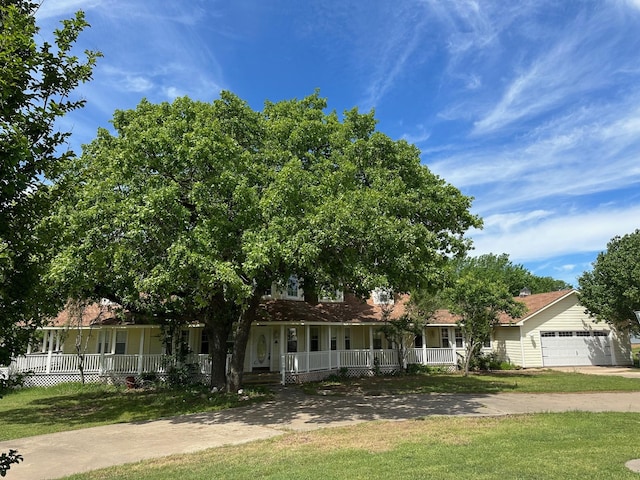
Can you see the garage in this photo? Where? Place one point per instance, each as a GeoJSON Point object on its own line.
{"type": "Point", "coordinates": [568, 348]}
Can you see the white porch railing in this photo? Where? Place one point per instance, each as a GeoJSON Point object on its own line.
{"type": "Point", "coordinates": [315, 361]}
{"type": "Point", "coordinates": [56, 363]}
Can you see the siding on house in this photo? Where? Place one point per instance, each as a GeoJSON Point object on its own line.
{"type": "Point", "coordinates": [507, 344]}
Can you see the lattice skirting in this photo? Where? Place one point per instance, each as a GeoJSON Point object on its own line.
{"type": "Point", "coordinates": [48, 380]}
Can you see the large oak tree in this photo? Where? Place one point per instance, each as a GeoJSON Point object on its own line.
{"type": "Point", "coordinates": [189, 211]}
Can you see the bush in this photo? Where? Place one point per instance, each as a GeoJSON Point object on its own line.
{"type": "Point", "coordinates": [486, 361]}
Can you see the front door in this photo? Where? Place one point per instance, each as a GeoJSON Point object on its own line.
{"type": "Point", "coordinates": [261, 352]}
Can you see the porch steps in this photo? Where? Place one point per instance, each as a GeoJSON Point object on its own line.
{"type": "Point", "coordinates": [261, 378]}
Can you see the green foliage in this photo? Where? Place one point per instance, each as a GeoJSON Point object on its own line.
{"type": "Point", "coordinates": [479, 301]}
{"type": "Point", "coordinates": [515, 277]}
{"type": "Point", "coordinates": [35, 87]}
{"type": "Point", "coordinates": [611, 291]}
{"type": "Point", "coordinates": [191, 209]}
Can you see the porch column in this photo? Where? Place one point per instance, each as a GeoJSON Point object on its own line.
{"type": "Point", "coordinates": [453, 344]}
{"type": "Point", "coordinates": [283, 360]}
{"type": "Point", "coordinates": [102, 336]}
{"type": "Point", "coordinates": [424, 346]}
{"type": "Point", "coordinates": [329, 343]}
{"type": "Point", "coordinates": [141, 351]}
{"type": "Point", "coordinates": [49, 335]}
{"type": "Point", "coordinates": [113, 341]}
{"type": "Point", "coordinates": [370, 346]}
{"type": "Point", "coordinates": [307, 341]}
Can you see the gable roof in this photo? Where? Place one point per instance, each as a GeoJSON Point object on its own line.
{"type": "Point", "coordinates": [535, 304]}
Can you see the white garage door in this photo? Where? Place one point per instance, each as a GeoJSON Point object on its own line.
{"type": "Point", "coordinates": [568, 348]}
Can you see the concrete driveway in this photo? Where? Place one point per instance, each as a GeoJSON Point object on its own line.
{"type": "Point", "coordinates": [629, 372]}
{"type": "Point", "coordinates": [60, 454]}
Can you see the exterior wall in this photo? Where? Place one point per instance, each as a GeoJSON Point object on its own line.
{"type": "Point", "coordinates": [506, 343]}
{"type": "Point", "coordinates": [566, 314]}
{"type": "Point", "coordinates": [91, 337]}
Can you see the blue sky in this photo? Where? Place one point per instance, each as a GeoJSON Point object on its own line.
{"type": "Point", "coordinates": [531, 107]}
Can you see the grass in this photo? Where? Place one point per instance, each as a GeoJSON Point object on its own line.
{"type": "Point", "coordinates": [542, 381]}
{"type": "Point", "coordinates": [35, 411]}
{"type": "Point", "coordinates": [551, 446]}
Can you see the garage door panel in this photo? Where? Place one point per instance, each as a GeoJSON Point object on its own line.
{"type": "Point", "coordinates": [575, 350]}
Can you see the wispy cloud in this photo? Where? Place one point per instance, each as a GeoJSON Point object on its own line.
{"type": "Point", "coordinates": [560, 233]}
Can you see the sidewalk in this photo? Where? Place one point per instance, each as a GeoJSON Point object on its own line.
{"type": "Point", "coordinates": [60, 454]}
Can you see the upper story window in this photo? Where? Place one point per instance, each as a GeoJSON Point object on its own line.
{"type": "Point", "coordinates": [382, 296]}
{"type": "Point", "coordinates": [293, 288]}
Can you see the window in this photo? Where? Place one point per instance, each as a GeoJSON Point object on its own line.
{"type": "Point", "coordinates": [292, 340]}
{"type": "Point", "coordinates": [103, 342]}
{"type": "Point", "coordinates": [600, 334]}
{"type": "Point", "coordinates": [417, 342]}
{"type": "Point", "coordinates": [334, 342]}
{"type": "Point", "coordinates": [583, 333]}
{"type": "Point", "coordinates": [565, 334]}
{"type": "Point", "coordinates": [547, 334]}
{"type": "Point", "coordinates": [292, 286]}
{"type": "Point", "coordinates": [315, 339]}
{"type": "Point", "coordinates": [121, 342]}
{"type": "Point", "coordinates": [347, 339]}
{"type": "Point", "coordinates": [382, 296]}
{"type": "Point", "coordinates": [444, 338]}
{"type": "Point", "coordinates": [204, 343]}
{"type": "Point", "coordinates": [458, 334]}
{"type": "Point", "coordinates": [487, 342]}
{"type": "Point", "coordinates": [377, 340]}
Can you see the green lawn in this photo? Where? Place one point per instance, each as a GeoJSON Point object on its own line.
{"type": "Point", "coordinates": [35, 411]}
{"type": "Point", "coordinates": [525, 381]}
{"type": "Point", "coordinates": [541, 446]}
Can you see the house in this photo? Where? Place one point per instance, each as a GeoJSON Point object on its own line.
{"type": "Point", "coordinates": [303, 342]}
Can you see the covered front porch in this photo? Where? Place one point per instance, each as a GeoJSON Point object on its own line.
{"type": "Point", "coordinates": [297, 352]}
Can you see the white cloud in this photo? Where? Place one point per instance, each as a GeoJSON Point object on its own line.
{"type": "Point", "coordinates": [64, 8]}
{"type": "Point", "coordinates": [564, 233]}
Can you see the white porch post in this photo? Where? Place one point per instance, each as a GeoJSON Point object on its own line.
{"type": "Point", "coordinates": [453, 343]}
{"type": "Point", "coordinates": [370, 346]}
{"type": "Point", "coordinates": [307, 341]}
{"type": "Point", "coordinates": [113, 341]}
{"type": "Point", "coordinates": [283, 362]}
{"type": "Point", "coordinates": [49, 335]}
{"type": "Point", "coordinates": [424, 345]}
{"type": "Point", "coordinates": [329, 343]}
{"type": "Point", "coordinates": [102, 336]}
{"type": "Point", "coordinates": [141, 351]}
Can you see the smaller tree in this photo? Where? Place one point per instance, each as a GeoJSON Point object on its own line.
{"type": "Point", "coordinates": [479, 303]}
{"type": "Point", "coordinates": [611, 291]}
{"type": "Point", "coordinates": [76, 309]}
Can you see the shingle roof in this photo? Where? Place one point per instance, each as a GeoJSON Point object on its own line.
{"type": "Point", "coordinates": [102, 313]}
{"type": "Point", "coordinates": [352, 310]}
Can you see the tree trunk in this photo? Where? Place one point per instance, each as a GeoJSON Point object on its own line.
{"type": "Point", "coordinates": [240, 340]}
{"type": "Point", "coordinates": [218, 335]}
